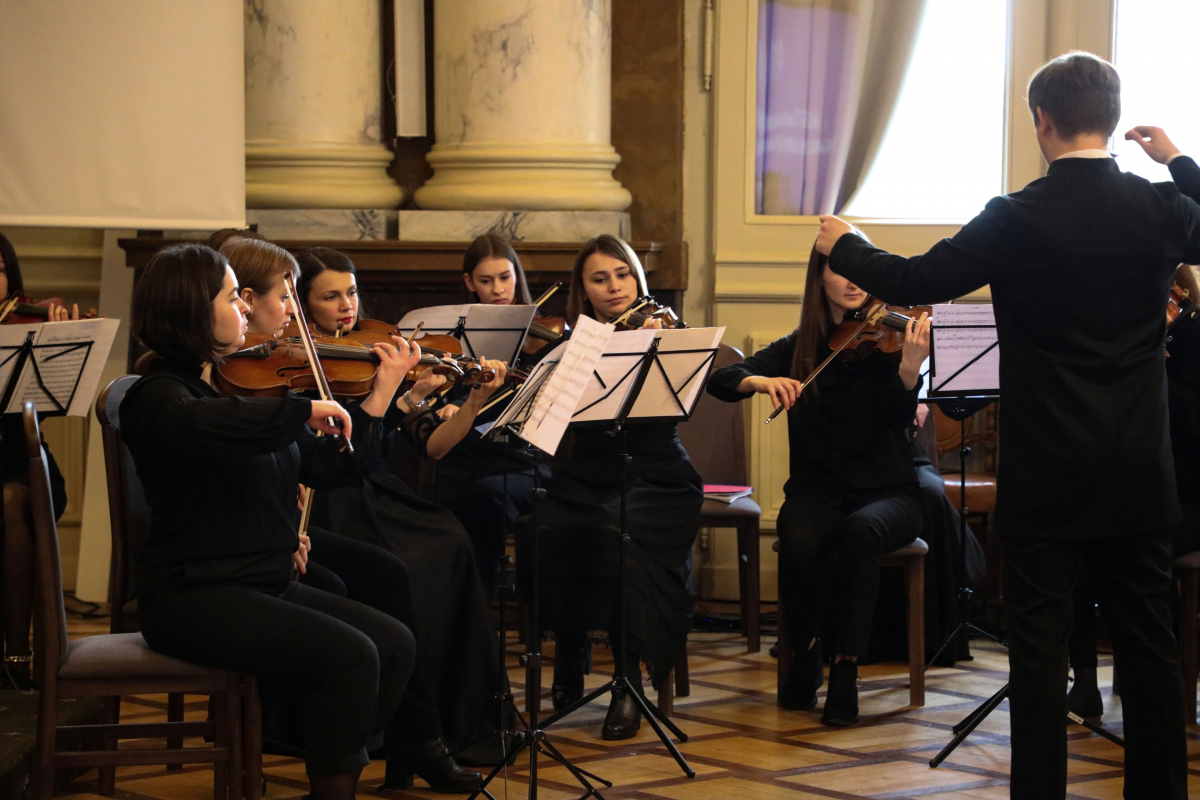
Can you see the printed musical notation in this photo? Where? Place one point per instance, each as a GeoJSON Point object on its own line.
{"type": "Point", "coordinates": [965, 351]}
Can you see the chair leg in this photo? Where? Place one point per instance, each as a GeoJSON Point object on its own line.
{"type": "Point", "coordinates": [683, 680]}
{"type": "Point", "coordinates": [106, 781]}
{"type": "Point", "coordinates": [175, 703]}
{"type": "Point", "coordinates": [251, 740]}
{"type": "Point", "coordinates": [221, 738]}
{"type": "Point", "coordinates": [915, 573]}
{"type": "Point", "coordinates": [784, 647]}
{"type": "Point", "coordinates": [748, 573]}
{"type": "Point", "coordinates": [1187, 639]}
{"type": "Point", "coordinates": [41, 775]}
{"type": "Point", "coordinates": [666, 695]}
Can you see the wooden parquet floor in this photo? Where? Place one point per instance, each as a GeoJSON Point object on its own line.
{"type": "Point", "coordinates": [740, 743]}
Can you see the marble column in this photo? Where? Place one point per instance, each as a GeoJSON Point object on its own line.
{"type": "Point", "coordinates": [522, 107]}
{"type": "Point", "coordinates": [314, 106]}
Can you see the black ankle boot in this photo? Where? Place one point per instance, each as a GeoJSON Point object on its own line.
{"type": "Point", "coordinates": [841, 701]}
{"type": "Point", "coordinates": [806, 677]}
{"type": "Point", "coordinates": [433, 763]}
{"type": "Point", "coordinates": [624, 717]}
{"type": "Point", "coordinates": [1084, 698]}
{"type": "Point", "coordinates": [572, 659]}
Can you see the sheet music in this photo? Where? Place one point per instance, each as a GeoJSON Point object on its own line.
{"type": "Point", "coordinates": [966, 356]}
{"type": "Point", "coordinates": [13, 336]}
{"type": "Point", "coordinates": [70, 358]}
{"type": "Point", "coordinates": [490, 331]}
{"type": "Point", "coordinates": [574, 362]}
{"type": "Point", "coordinates": [611, 381]}
{"type": "Point", "coordinates": [686, 372]}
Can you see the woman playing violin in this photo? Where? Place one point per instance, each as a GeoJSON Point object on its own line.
{"type": "Point", "coordinates": [580, 515]}
{"type": "Point", "coordinates": [359, 570]}
{"type": "Point", "coordinates": [220, 476]}
{"type": "Point", "coordinates": [852, 491]}
{"type": "Point", "coordinates": [453, 616]}
{"type": "Point", "coordinates": [16, 524]}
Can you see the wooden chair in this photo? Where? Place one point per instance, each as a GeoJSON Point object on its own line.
{"type": "Point", "coordinates": [912, 558]}
{"type": "Point", "coordinates": [112, 665]}
{"type": "Point", "coordinates": [1187, 572]}
{"type": "Point", "coordinates": [715, 439]}
{"type": "Point", "coordinates": [129, 521]}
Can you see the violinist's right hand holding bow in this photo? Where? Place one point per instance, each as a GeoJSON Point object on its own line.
{"type": "Point", "coordinates": [328, 417]}
{"type": "Point", "coordinates": [782, 391]}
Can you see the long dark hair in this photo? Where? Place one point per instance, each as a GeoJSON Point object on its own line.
{"type": "Point", "coordinates": [815, 320]}
{"type": "Point", "coordinates": [316, 260]}
{"type": "Point", "coordinates": [12, 268]}
{"type": "Point", "coordinates": [489, 245]}
{"type": "Point", "coordinates": [577, 299]}
{"type": "Point", "coordinates": [173, 303]}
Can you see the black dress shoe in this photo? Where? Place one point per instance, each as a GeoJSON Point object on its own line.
{"type": "Point", "coordinates": [624, 717]}
{"type": "Point", "coordinates": [841, 701]}
{"type": "Point", "coordinates": [572, 659]}
{"type": "Point", "coordinates": [1084, 698]}
{"type": "Point", "coordinates": [433, 763]}
{"type": "Point", "coordinates": [806, 677]}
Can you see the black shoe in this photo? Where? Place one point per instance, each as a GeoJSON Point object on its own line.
{"type": "Point", "coordinates": [807, 675]}
{"type": "Point", "coordinates": [1084, 698]}
{"type": "Point", "coordinates": [571, 661]}
{"type": "Point", "coordinates": [624, 717]}
{"type": "Point", "coordinates": [433, 763]}
{"type": "Point", "coordinates": [841, 701]}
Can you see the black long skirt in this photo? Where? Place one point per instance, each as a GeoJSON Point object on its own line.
{"type": "Point", "coordinates": [578, 524]}
{"type": "Point", "coordinates": [457, 639]}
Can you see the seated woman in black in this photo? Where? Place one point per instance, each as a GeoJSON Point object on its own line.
{"type": "Point", "coordinates": [852, 492]}
{"type": "Point", "coordinates": [458, 641]}
{"type": "Point", "coordinates": [220, 473]}
{"type": "Point", "coordinates": [358, 570]}
{"type": "Point", "coordinates": [16, 524]}
{"type": "Point", "coordinates": [580, 516]}
{"type": "Point", "coordinates": [471, 477]}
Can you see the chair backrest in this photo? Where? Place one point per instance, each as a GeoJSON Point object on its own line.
{"type": "Point", "coordinates": [128, 512]}
{"type": "Point", "coordinates": [715, 436]}
{"type": "Point", "coordinates": [50, 639]}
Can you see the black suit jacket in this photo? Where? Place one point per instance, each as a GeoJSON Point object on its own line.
{"type": "Point", "coordinates": [1080, 264]}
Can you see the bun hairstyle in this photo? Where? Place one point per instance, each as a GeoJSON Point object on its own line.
{"type": "Point", "coordinates": [577, 300]}
{"type": "Point", "coordinates": [316, 260]}
{"type": "Point", "coordinates": [489, 245]}
{"type": "Point", "coordinates": [257, 263]}
{"type": "Point", "coordinates": [173, 303]}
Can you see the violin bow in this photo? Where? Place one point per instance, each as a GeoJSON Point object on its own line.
{"type": "Point", "coordinates": [871, 318]}
{"type": "Point", "coordinates": [8, 305]}
{"type": "Point", "coordinates": [310, 350]}
{"type": "Point", "coordinates": [546, 295]}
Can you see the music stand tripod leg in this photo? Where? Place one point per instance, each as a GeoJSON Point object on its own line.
{"type": "Point", "coordinates": [969, 724]}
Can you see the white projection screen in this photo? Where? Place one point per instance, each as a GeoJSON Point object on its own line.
{"type": "Point", "coordinates": [122, 114]}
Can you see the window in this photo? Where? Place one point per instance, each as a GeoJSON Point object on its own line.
{"type": "Point", "coordinates": [942, 156]}
{"type": "Point", "coordinates": [1155, 54]}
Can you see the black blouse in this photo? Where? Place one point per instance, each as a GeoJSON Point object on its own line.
{"type": "Point", "coordinates": [220, 473]}
{"type": "Point", "coordinates": [849, 442]}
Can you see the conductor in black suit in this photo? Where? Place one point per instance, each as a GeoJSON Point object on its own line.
{"type": "Point", "coordinates": [1080, 264]}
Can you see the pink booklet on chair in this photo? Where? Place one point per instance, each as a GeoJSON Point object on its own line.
{"type": "Point", "coordinates": [725, 493]}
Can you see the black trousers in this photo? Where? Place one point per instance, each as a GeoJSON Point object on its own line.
{"type": "Point", "coordinates": [1132, 577]}
{"type": "Point", "coordinates": [812, 532]}
{"type": "Point", "coordinates": [348, 662]}
{"type": "Point", "coordinates": [375, 577]}
{"type": "Point", "coordinates": [487, 511]}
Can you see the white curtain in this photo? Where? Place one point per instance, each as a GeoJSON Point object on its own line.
{"type": "Point", "coordinates": [122, 113]}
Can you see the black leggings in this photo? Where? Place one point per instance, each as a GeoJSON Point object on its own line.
{"type": "Point", "coordinates": [810, 532]}
{"type": "Point", "coordinates": [375, 577]}
{"type": "Point", "coordinates": [349, 663]}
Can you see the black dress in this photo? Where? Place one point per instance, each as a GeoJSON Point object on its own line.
{"type": "Point", "coordinates": [453, 620]}
{"type": "Point", "coordinates": [14, 461]}
{"type": "Point", "coordinates": [578, 523]}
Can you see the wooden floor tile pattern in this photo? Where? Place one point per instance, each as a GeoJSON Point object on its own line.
{"type": "Point", "coordinates": [741, 744]}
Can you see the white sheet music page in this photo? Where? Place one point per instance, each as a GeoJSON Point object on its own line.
{"type": "Point", "coordinates": [614, 376]}
{"type": "Point", "coordinates": [561, 394]}
{"type": "Point", "coordinates": [965, 357]}
{"type": "Point", "coordinates": [437, 319]}
{"type": "Point", "coordinates": [685, 355]}
{"type": "Point", "coordinates": [11, 337]}
{"type": "Point", "coordinates": [68, 365]}
{"type": "Point", "coordinates": [494, 332]}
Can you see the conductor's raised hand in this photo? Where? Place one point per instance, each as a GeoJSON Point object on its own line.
{"type": "Point", "coordinates": [325, 410]}
{"type": "Point", "coordinates": [832, 229]}
{"type": "Point", "coordinates": [782, 391]}
{"type": "Point", "coordinates": [1154, 141]}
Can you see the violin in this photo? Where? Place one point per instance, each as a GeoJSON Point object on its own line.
{"type": "Point", "coordinates": [646, 308]}
{"type": "Point", "coordinates": [1179, 303]}
{"type": "Point", "coordinates": [18, 309]}
{"type": "Point", "coordinates": [544, 329]}
{"type": "Point", "coordinates": [874, 326]}
{"type": "Point", "coordinates": [445, 354]}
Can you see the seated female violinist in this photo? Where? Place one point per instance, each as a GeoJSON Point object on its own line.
{"type": "Point", "coordinates": [470, 478]}
{"type": "Point", "coordinates": [220, 476]}
{"type": "Point", "coordinates": [579, 520]}
{"type": "Point", "coordinates": [355, 569]}
{"type": "Point", "coordinates": [16, 523]}
{"type": "Point", "coordinates": [852, 491]}
{"type": "Point", "coordinates": [458, 641]}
